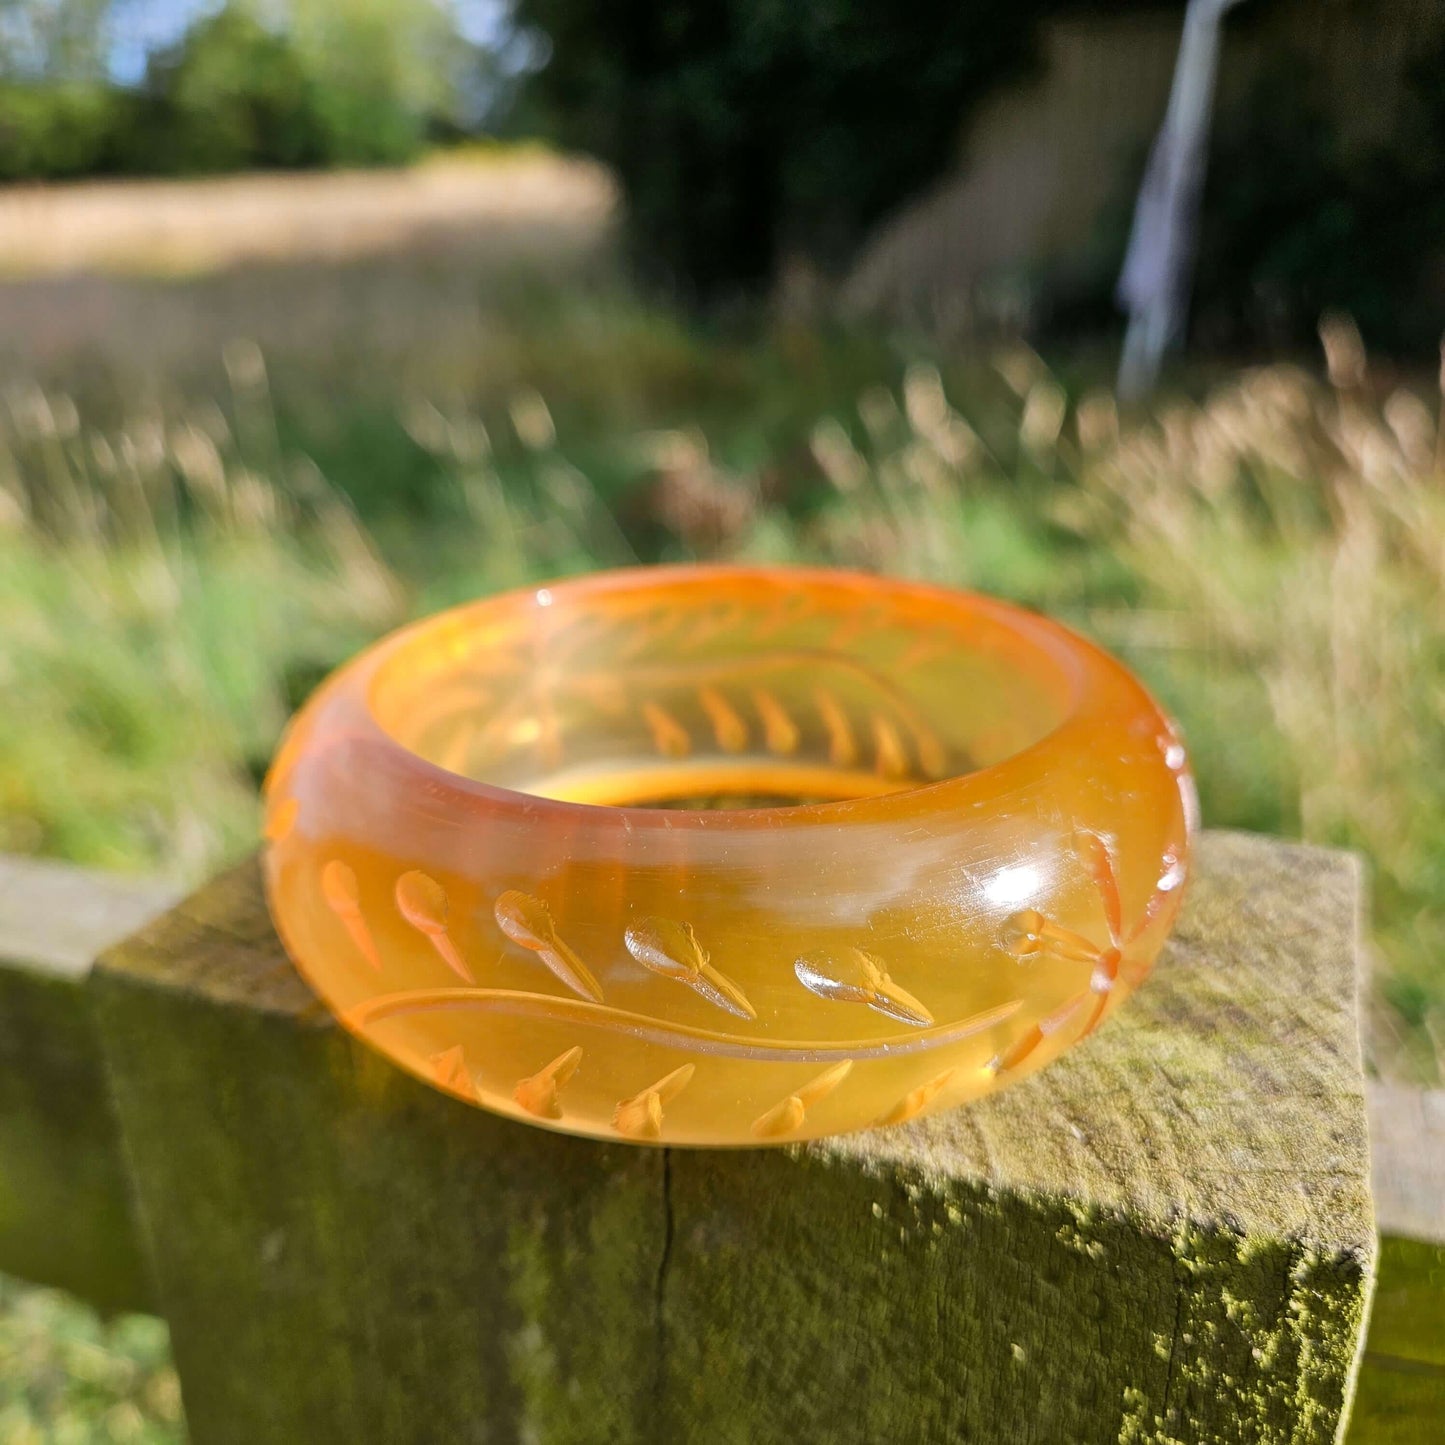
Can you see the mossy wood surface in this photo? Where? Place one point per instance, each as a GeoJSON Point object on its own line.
{"type": "Point", "coordinates": [65, 1211]}
{"type": "Point", "coordinates": [1167, 1236]}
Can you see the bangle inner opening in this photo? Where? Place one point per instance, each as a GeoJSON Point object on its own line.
{"type": "Point", "coordinates": [698, 692]}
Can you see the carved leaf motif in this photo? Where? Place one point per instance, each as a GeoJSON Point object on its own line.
{"type": "Point", "coordinates": [640, 1117]}
{"type": "Point", "coordinates": [728, 726]}
{"type": "Point", "coordinates": [669, 736]}
{"type": "Point", "coordinates": [343, 897]}
{"type": "Point", "coordinates": [449, 1069]}
{"type": "Point", "coordinates": [861, 979]}
{"type": "Point", "coordinates": [779, 730]}
{"type": "Point", "coordinates": [338, 887]}
{"type": "Point", "coordinates": [890, 756]}
{"type": "Point", "coordinates": [540, 1094]}
{"type": "Point", "coordinates": [422, 901]}
{"type": "Point", "coordinates": [671, 949]}
{"type": "Point", "coordinates": [1028, 933]}
{"type": "Point", "coordinates": [527, 921]}
{"type": "Point", "coordinates": [842, 745]}
{"type": "Point", "coordinates": [787, 1115]}
{"type": "Point", "coordinates": [1094, 852]}
{"type": "Point", "coordinates": [915, 1101]}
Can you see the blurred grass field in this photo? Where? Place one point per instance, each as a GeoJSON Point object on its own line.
{"type": "Point", "coordinates": [216, 486]}
{"type": "Point", "coordinates": [71, 1378]}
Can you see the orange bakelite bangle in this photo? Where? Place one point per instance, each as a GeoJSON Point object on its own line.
{"type": "Point", "coordinates": [723, 856]}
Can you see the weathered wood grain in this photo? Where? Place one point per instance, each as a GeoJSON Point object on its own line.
{"type": "Point", "coordinates": [65, 1212]}
{"type": "Point", "coordinates": [1167, 1236]}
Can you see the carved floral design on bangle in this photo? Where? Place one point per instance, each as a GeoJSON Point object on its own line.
{"type": "Point", "coordinates": [703, 856]}
{"type": "Point", "coordinates": [1029, 933]}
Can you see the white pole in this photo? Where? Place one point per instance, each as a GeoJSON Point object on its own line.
{"type": "Point", "coordinates": [1154, 283]}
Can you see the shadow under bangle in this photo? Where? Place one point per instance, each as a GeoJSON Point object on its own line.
{"type": "Point", "coordinates": [727, 856]}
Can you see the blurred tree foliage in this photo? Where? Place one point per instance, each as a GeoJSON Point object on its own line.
{"type": "Point", "coordinates": [750, 132]}
{"type": "Point", "coordinates": [1297, 222]}
{"type": "Point", "coordinates": [385, 72]}
{"type": "Point", "coordinates": [308, 83]}
{"type": "Point", "coordinates": [745, 131]}
{"type": "Point", "coordinates": [62, 128]}
{"type": "Point", "coordinates": [232, 94]}
{"type": "Point", "coordinates": [59, 39]}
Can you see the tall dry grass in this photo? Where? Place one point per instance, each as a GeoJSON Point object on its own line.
{"type": "Point", "coordinates": [1303, 526]}
{"type": "Point", "coordinates": [1283, 551]}
{"type": "Point", "coordinates": [1271, 558]}
{"type": "Point", "coordinates": [171, 589]}
{"type": "Point", "coordinates": [491, 205]}
{"type": "Point", "coordinates": [155, 582]}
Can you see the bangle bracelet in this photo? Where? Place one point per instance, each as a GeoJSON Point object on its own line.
{"type": "Point", "coordinates": [727, 856]}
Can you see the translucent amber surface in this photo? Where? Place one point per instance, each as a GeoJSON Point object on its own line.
{"type": "Point", "coordinates": [727, 856]}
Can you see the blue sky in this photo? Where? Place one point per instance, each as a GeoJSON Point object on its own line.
{"type": "Point", "coordinates": [140, 26]}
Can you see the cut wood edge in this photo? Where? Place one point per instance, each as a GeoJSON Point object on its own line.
{"type": "Point", "coordinates": [57, 918]}
{"type": "Point", "coordinates": [1407, 1161]}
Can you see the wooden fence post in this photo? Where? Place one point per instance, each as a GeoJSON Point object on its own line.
{"type": "Point", "coordinates": [1400, 1397]}
{"type": "Point", "coordinates": [1165, 1236]}
{"type": "Point", "coordinates": [65, 1208]}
